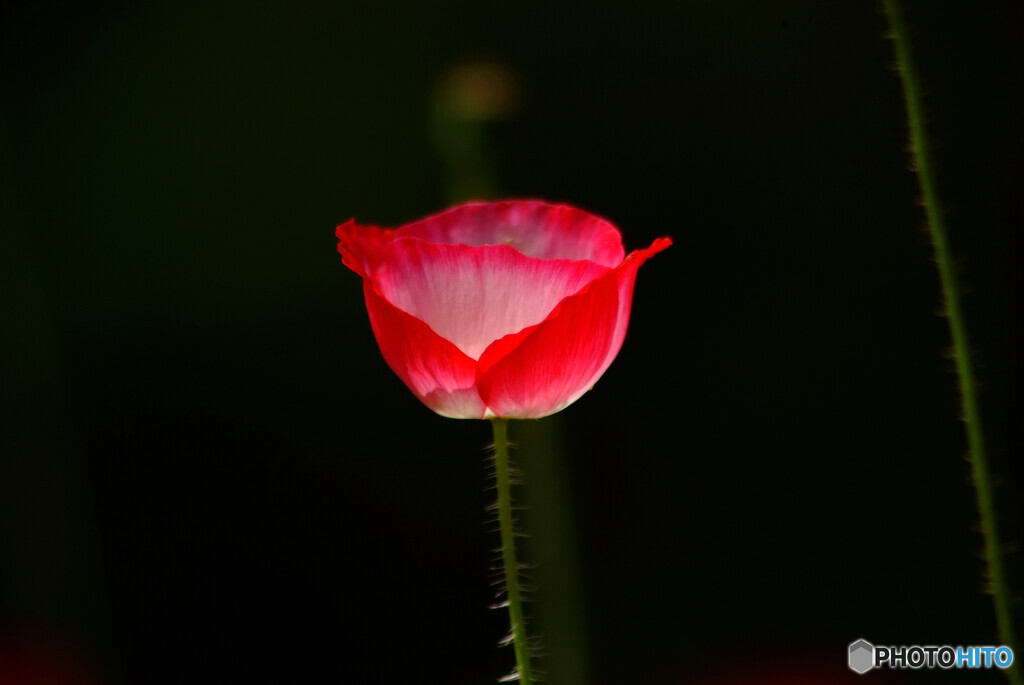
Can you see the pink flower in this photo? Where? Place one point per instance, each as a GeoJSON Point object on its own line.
{"type": "Point", "coordinates": [511, 309]}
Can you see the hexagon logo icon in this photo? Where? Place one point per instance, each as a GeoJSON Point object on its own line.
{"type": "Point", "coordinates": [862, 656]}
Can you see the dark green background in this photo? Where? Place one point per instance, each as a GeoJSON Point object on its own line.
{"type": "Point", "coordinates": [209, 474]}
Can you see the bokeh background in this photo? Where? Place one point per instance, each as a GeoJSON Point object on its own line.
{"type": "Point", "coordinates": [208, 473]}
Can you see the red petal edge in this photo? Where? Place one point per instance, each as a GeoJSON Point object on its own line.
{"type": "Point", "coordinates": [360, 245]}
{"type": "Point", "coordinates": [533, 227]}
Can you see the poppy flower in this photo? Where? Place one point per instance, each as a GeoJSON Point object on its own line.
{"type": "Point", "coordinates": [510, 309]}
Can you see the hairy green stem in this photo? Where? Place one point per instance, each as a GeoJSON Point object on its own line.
{"type": "Point", "coordinates": [982, 476]}
{"type": "Point", "coordinates": [508, 552]}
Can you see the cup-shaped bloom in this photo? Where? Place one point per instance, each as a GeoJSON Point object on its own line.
{"type": "Point", "coordinates": [511, 309]}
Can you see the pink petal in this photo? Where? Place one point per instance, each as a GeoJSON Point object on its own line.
{"type": "Point", "coordinates": [548, 366]}
{"type": "Point", "coordinates": [538, 293]}
{"type": "Point", "coordinates": [435, 370]}
{"type": "Point", "coordinates": [472, 296]}
{"type": "Point", "coordinates": [534, 228]}
{"type": "Point", "coordinates": [543, 369]}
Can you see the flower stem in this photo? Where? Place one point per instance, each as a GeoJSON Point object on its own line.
{"type": "Point", "coordinates": [508, 552]}
{"type": "Point", "coordinates": [982, 477]}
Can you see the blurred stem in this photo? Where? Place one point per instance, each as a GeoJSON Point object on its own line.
{"type": "Point", "coordinates": [558, 609]}
{"type": "Point", "coordinates": [508, 551]}
{"type": "Point", "coordinates": [921, 155]}
{"type": "Point", "coordinates": [470, 100]}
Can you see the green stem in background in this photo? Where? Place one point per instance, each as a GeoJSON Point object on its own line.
{"type": "Point", "coordinates": [469, 100]}
{"type": "Point", "coordinates": [557, 607]}
{"type": "Point", "coordinates": [508, 552]}
{"type": "Point", "coordinates": [922, 161]}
